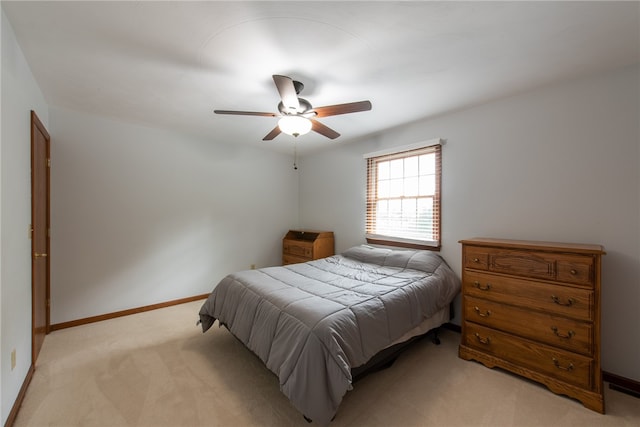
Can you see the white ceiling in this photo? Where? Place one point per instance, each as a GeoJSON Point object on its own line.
{"type": "Point", "coordinates": [169, 64]}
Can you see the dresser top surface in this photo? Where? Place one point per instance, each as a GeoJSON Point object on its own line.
{"type": "Point", "coordinates": [534, 245]}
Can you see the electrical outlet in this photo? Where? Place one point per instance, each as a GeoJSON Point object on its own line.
{"type": "Point", "coordinates": [13, 359]}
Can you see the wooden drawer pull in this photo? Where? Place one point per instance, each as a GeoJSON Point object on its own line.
{"type": "Point", "coordinates": [557, 365]}
{"type": "Point", "coordinates": [482, 288]}
{"type": "Point", "coordinates": [486, 340]}
{"type": "Point", "coordinates": [573, 272]}
{"type": "Point", "coordinates": [485, 314]}
{"type": "Point", "coordinates": [569, 302]}
{"type": "Point", "coordinates": [569, 335]}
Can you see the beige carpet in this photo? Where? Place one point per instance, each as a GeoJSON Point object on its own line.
{"type": "Point", "coordinates": [158, 369]}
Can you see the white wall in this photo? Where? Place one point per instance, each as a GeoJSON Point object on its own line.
{"type": "Point", "coordinates": [20, 95]}
{"type": "Point", "coordinates": [138, 215]}
{"type": "Point", "coordinates": [142, 216]}
{"type": "Point", "coordinates": [557, 164]}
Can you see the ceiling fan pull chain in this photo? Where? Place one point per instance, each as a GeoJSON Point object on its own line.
{"type": "Point", "coordinates": [295, 156]}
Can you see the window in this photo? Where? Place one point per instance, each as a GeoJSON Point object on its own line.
{"type": "Point", "coordinates": [403, 196]}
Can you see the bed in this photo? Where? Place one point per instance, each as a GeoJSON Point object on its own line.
{"type": "Point", "coordinates": [313, 323]}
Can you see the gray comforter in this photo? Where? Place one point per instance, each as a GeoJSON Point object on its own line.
{"type": "Point", "coordinates": [311, 323]}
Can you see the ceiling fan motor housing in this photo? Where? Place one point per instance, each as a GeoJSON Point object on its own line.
{"type": "Point", "coordinates": [305, 106]}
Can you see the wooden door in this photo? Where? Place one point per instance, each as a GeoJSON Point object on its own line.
{"type": "Point", "coordinates": [40, 261]}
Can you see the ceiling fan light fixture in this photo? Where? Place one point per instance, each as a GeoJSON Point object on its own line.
{"type": "Point", "coordinates": [294, 125]}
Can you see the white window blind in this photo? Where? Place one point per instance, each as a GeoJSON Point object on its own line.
{"type": "Point", "coordinates": [403, 196]}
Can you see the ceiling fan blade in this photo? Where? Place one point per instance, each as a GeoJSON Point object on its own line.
{"type": "Point", "coordinates": [316, 126]}
{"type": "Point", "coordinates": [245, 113]}
{"type": "Point", "coordinates": [334, 110]}
{"type": "Point", "coordinates": [287, 92]}
{"type": "Point", "coordinates": [275, 132]}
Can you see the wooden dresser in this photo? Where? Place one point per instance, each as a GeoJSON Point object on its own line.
{"type": "Point", "coordinates": [533, 308]}
{"type": "Point", "coordinates": [305, 245]}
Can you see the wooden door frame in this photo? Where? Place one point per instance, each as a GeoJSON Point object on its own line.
{"type": "Point", "coordinates": [36, 123]}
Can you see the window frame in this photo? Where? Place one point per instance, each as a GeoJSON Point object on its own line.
{"type": "Point", "coordinates": [431, 146]}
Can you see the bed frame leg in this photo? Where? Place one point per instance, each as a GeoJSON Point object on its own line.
{"type": "Point", "coordinates": [309, 420]}
{"type": "Point", "coordinates": [435, 339]}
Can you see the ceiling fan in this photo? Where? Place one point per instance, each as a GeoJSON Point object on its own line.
{"type": "Point", "coordinates": [297, 115]}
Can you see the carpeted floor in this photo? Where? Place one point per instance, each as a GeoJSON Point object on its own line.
{"type": "Point", "coordinates": [158, 369]}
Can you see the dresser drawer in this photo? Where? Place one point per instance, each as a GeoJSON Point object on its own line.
{"type": "Point", "coordinates": [567, 268]}
{"type": "Point", "coordinates": [569, 367]}
{"type": "Point", "coordinates": [523, 263]}
{"type": "Point", "coordinates": [558, 331]}
{"type": "Point", "coordinates": [477, 258]}
{"type": "Point", "coordinates": [302, 249]}
{"type": "Point", "coordinates": [575, 269]}
{"type": "Point", "coordinates": [568, 301]}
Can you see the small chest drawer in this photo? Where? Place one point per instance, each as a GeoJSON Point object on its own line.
{"type": "Point", "coordinates": [298, 248]}
{"type": "Point", "coordinates": [564, 300]}
{"type": "Point", "coordinates": [570, 367]}
{"type": "Point", "coordinates": [292, 259]}
{"type": "Point", "coordinates": [558, 331]}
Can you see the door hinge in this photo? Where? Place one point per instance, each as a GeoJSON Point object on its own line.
{"type": "Point", "coordinates": [49, 163]}
{"type": "Point", "coordinates": [30, 231]}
